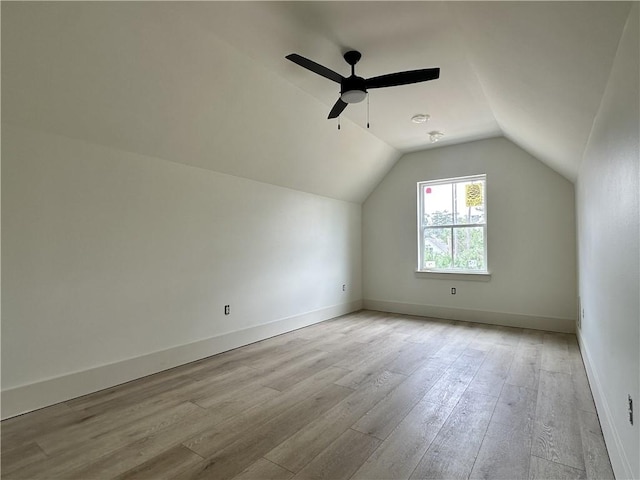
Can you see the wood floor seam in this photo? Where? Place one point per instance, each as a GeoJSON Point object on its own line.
{"type": "Point", "coordinates": [193, 451]}
{"type": "Point", "coordinates": [559, 463]}
{"type": "Point", "coordinates": [275, 463]}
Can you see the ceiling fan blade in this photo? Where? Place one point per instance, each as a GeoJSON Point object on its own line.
{"type": "Point", "coordinates": [315, 67]}
{"type": "Point", "coordinates": [403, 78]}
{"type": "Point", "coordinates": [337, 108]}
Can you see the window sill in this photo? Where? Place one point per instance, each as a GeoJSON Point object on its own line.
{"type": "Point", "coordinates": [476, 277]}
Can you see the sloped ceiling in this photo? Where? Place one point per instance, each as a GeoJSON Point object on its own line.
{"type": "Point", "coordinates": [206, 83]}
{"type": "Point", "coordinates": [140, 78]}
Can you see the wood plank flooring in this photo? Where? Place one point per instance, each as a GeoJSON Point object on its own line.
{"type": "Point", "coordinates": [364, 396]}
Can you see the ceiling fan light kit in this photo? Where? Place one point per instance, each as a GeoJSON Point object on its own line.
{"type": "Point", "coordinates": [353, 96]}
{"type": "Point", "coordinates": [353, 89]}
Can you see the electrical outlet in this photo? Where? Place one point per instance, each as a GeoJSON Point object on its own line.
{"type": "Point", "coordinates": [453, 290]}
{"type": "Point", "coordinates": [630, 410]}
{"type": "Point", "coordinates": [227, 309]}
{"type": "Point", "coordinates": [344, 287]}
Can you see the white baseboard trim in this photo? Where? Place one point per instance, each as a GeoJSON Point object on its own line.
{"type": "Point", "coordinates": [617, 455]}
{"type": "Point", "coordinates": [552, 324]}
{"type": "Point", "coordinates": [33, 396]}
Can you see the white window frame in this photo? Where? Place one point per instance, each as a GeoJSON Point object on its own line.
{"type": "Point", "coordinates": [420, 200]}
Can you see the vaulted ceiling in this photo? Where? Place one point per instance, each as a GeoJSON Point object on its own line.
{"type": "Point", "coordinates": [207, 84]}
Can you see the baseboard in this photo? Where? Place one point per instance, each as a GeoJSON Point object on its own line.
{"type": "Point", "coordinates": [552, 324]}
{"type": "Point", "coordinates": [41, 394]}
{"type": "Point", "coordinates": [617, 455]}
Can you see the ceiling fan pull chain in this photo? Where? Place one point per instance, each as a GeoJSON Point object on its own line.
{"type": "Point", "coordinates": [367, 110]}
{"type": "Point", "coordinates": [338, 123]}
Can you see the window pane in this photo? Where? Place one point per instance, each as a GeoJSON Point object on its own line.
{"type": "Point", "coordinates": [469, 248]}
{"type": "Point", "coordinates": [470, 202]}
{"type": "Point", "coordinates": [437, 248]}
{"type": "Point", "coordinates": [437, 208]}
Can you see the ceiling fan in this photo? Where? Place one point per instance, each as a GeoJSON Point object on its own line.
{"type": "Point", "coordinates": [353, 89]}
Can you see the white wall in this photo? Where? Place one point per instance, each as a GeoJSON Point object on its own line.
{"type": "Point", "coordinates": [116, 265]}
{"type": "Point", "coordinates": [531, 240]}
{"type": "Point", "coordinates": [609, 260]}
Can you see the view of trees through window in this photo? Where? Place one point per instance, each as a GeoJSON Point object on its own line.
{"type": "Point", "coordinates": [453, 225]}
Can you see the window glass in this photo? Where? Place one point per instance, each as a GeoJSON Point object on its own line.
{"type": "Point", "coordinates": [438, 209]}
{"type": "Point", "coordinates": [469, 248]}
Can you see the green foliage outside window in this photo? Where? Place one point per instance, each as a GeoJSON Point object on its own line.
{"type": "Point", "coordinates": [460, 248]}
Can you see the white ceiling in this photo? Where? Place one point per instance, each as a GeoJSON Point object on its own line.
{"type": "Point", "coordinates": [207, 84]}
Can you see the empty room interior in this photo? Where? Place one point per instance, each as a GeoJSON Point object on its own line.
{"type": "Point", "coordinates": [320, 240]}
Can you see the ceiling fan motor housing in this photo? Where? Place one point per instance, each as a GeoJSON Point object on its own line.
{"type": "Point", "coordinates": [353, 89]}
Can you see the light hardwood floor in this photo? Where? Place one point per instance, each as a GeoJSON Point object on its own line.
{"type": "Point", "coordinates": [364, 396]}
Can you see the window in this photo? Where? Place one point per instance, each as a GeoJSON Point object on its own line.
{"type": "Point", "coordinates": [452, 225]}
